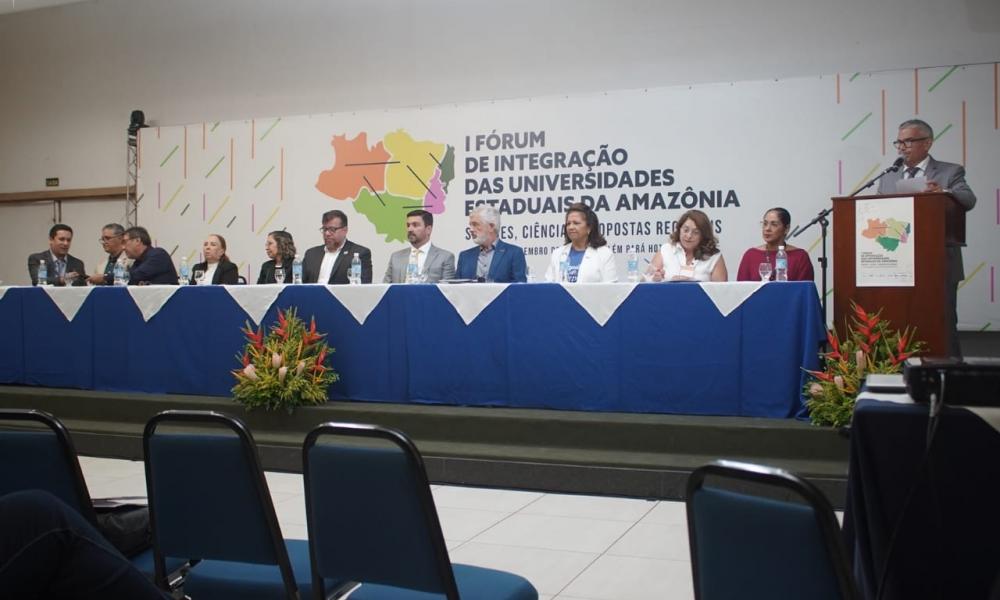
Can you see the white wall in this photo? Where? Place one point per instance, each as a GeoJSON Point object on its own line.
{"type": "Point", "coordinates": [72, 74]}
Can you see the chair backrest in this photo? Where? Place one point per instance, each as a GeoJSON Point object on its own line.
{"type": "Point", "coordinates": [33, 457]}
{"type": "Point", "coordinates": [208, 498]}
{"type": "Point", "coordinates": [370, 512]}
{"type": "Point", "coordinates": [749, 546]}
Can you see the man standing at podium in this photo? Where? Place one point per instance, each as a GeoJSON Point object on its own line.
{"type": "Point", "coordinates": [914, 144]}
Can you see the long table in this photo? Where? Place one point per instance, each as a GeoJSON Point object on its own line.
{"type": "Point", "coordinates": [665, 349]}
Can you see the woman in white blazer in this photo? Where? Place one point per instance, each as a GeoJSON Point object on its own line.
{"type": "Point", "coordinates": [586, 255]}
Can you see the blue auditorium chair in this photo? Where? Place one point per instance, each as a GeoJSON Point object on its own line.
{"type": "Point", "coordinates": [208, 500]}
{"type": "Point", "coordinates": [39, 454]}
{"type": "Point", "coordinates": [372, 520]}
{"type": "Point", "coordinates": [747, 544]}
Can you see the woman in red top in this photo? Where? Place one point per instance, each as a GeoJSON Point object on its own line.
{"type": "Point", "coordinates": [775, 226]}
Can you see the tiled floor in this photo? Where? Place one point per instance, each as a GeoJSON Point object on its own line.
{"type": "Point", "coordinates": [569, 547]}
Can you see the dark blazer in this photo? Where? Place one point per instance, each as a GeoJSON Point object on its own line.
{"type": "Point", "coordinates": [314, 259]}
{"type": "Point", "coordinates": [951, 178]}
{"type": "Point", "coordinates": [267, 271]}
{"type": "Point", "coordinates": [508, 264]}
{"type": "Point", "coordinates": [73, 265]}
{"type": "Point", "coordinates": [225, 274]}
{"type": "Point", "coordinates": [153, 267]}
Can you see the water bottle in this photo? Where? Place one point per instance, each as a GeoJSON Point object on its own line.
{"type": "Point", "coordinates": [185, 271]}
{"type": "Point", "coordinates": [411, 268]}
{"type": "Point", "coordinates": [43, 273]}
{"type": "Point", "coordinates": [297, 270]}
{"type": "Point", "coordinates": [564, 267]}
{"type": "Point", "coordinates": [633, 267]}
{"type": "Point", "coordinates": [356, 269]}
{"type": "Point", "coordinates": [781, 265]}
{"type": "Point", "coordinates": [120, 278]}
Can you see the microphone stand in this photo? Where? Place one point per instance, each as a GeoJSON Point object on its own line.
{"type": "Point", "coordinates": [824, 224]}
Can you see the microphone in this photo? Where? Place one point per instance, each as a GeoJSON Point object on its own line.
{"type": "Point", "coordinates": [891, 169]}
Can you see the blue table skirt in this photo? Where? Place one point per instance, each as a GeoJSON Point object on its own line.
{"type": "Point", "coordinates": [667, 349]}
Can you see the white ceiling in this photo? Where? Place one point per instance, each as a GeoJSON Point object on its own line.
{"type": "Point", "coordinates": [11, 6]}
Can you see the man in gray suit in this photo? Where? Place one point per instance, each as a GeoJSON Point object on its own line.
{"type": "Point", "coordinates": [433, 263]}
{"type": "Point", "coordinates": [914, 143]}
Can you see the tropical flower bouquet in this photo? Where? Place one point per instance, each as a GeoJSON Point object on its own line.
{"type": "Point", "coordinates": [285, 368]}
{"type": "Point", "coordinates": [870, 346]}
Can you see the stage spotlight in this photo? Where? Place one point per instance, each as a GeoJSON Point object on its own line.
{"type": "Point", "coordinates": [137, 122]}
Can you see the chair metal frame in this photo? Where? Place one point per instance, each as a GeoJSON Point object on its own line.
{"type": "Point", "coordinates": [86, 505]}
{"type": "Point", "coordinates": [424, 497]}
{"type": "Point", "coordinates": [775, 478]}
{"type": "Point", "coordinates": [249, 447]}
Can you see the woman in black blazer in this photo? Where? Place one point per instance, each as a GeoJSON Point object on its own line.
{"type": "Point", "coordinates": [280, 249]}
{"type": "Point", "coordinates": [217, 265]}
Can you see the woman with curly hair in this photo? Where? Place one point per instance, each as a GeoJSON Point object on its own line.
{"type": "Point", "coordinates": [692, 254]}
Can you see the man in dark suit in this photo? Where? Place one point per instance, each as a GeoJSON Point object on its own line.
{"type": "Point", "coordinates": [491, 259]}
{"type": "Point", "coordinates": [331, 262]}
{"type": "Point", "coordinates": [151, 266]}
{"type": "Point", "coordinates": [914, 143]}
{"type": "Point", "coordinates": [61, 267]}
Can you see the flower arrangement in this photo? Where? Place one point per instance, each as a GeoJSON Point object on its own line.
{"type": "Point", "coordinates": [870, 346]}
{"type": "Point", "coordinates": [285, 368]}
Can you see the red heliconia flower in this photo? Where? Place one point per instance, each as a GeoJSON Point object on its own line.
{"type": "Point", "coordinates": [874, 337]}
{"type": "Point", "coordinates": [865, 330]}
{"type": "Point", "coordinates": [833, 343]}
{"type": "Point", "coordinates": [246, 359]}
{"type": "Point", "coordinates": [865, 347]}
{"type": "Point", "coordinates": [256, 338]}
{"type": "Point", "coordinates": [281, 319]}
{"type": "Point", "coordinates": [821, 375]}
{"type": "Point", "coordinates": [901, 344]}
{"type": "Point", "coordinates": [322, 355]}
{"type": "Point", "coordinates": [860, 313]}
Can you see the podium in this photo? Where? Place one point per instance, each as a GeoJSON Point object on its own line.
{"type": "Point", "coordinates": [938, 222]}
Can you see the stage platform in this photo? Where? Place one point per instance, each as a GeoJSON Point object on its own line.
{"type": "Point", "coordinates": [637, 455]}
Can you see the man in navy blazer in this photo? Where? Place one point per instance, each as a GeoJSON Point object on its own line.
{"type": "Point", "coordinates": [151, 266]}
{"type": "Point", "coordinates": [914, 143]}
{"type": "Point", "coordinates": [491, 259]}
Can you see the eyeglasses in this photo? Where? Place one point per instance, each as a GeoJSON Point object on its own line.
{"type": "Point", "coordinates": [108, 238]}
{"type": "Point", "coordinates": [908, 142]}
{"type": "Point", "coordinates": [332, 229]}
{"type": "Point", "coordinates": [694, 231]}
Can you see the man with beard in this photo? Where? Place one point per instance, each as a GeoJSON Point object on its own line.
{"type": "Point", "coordinates": [433, 263]}
{"type": "Point", "coordinates": [491, 259]}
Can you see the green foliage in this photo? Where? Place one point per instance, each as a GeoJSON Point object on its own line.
{"type": "Point", "coordinates": [869, 347]}
{"type": "Point", "coordinates": [286, 368]}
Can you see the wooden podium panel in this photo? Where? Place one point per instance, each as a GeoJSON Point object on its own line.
{"type": "Point", "coordinates": [938, 220]}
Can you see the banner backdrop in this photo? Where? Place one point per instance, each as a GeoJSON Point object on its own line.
{"type": "Point", "coordinates": [640, 158]}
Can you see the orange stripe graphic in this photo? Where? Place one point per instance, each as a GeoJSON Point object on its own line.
{"type": "Point", "coordinates": [883, 122]}
{"type": "Point", "coordinates": [964, 137]}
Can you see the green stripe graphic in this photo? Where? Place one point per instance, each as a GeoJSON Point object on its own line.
{"type": "Point", "coordinates": [261, 180]}
{"type": "Point", "coordinates": [940, 133]}
{"type": "Point", "coordinates": [169, 154]}
{"type": "Point", "coordinates": [943, 77]}
{"type": "Point", "coordinates": [264, 135]}
{"type": "Point", "coordinates": [215, 166]}
{"type": "Point", "coordinates": [855, 128]}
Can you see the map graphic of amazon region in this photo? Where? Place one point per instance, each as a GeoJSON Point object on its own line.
{"type": "Point", "coordinates": [889, 233]}
{"type": "Point", "coordinates": [390, 178]}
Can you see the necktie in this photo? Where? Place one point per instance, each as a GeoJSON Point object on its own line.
{"type": "Point", "coordinates": [911, 172]}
